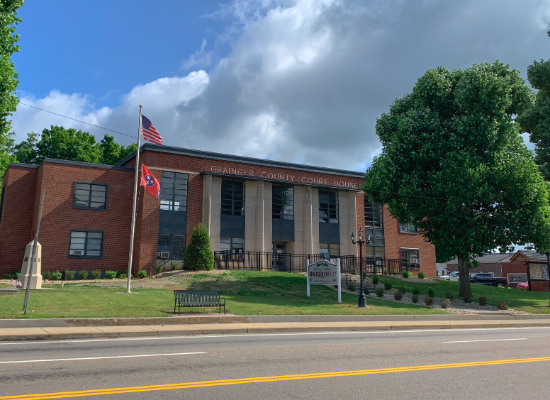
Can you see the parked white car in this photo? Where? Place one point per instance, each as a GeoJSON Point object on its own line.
{"type": "Point", "coordinates": [453, 276]}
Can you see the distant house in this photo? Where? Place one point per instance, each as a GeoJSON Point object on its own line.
{"type": "Point", "coordinates": [488, 263]}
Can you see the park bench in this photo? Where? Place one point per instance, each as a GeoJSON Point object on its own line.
{"type": "Point", "coordinates": [198, 298]}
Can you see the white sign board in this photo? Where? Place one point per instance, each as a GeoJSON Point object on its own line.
{"type": "Point", "coordinates": [324, 272]}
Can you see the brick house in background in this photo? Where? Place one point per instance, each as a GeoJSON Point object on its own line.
{"type": "Point", "coordinates": [489, 263]}
{"type": "Point", "coordinates": [248, 205]}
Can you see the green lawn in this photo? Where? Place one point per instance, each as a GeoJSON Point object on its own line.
{"type": "Point", "coordinates": [531, 302]}
{"type": "Point", "coordinates": [246, 293]}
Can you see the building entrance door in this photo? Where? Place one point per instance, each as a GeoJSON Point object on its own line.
{"type": "Point", "coordinates": [279, 262]}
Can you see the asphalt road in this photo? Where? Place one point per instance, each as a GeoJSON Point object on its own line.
{"type": "Point", "coordinates": [449, 364]}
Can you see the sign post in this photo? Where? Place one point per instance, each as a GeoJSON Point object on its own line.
{"type": "Point", "coordinates": [324, 272]}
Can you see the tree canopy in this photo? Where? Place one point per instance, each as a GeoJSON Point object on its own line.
{"type": "Point", "coordinates": [70, 144]}
{"type": "Point", "coordinates": [536, 121]}
{"type": "Point", "coordinates": [453, 163]}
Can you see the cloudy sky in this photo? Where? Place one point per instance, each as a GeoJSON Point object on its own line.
{"type": "Point", "coordinates": [292, 80]}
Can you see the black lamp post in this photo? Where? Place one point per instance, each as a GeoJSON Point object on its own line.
{"type": "Point", "coordinates": [362, 298]}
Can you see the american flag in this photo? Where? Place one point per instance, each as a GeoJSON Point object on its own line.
{"type": "Point", "coordinates": [149, 132]}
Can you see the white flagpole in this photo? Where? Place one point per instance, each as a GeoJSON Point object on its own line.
{"type": "Point", "coordinates": [129, 277]}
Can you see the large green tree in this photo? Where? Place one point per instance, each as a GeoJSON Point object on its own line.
{"type": "Point", "coordinates": [453, 163]}
{"type": "Point", "coordinates": [70, 144]}
{"type": "Point", "coordinates": [8, 77]}
{"type": "Point", "coordinates": [536, 121]}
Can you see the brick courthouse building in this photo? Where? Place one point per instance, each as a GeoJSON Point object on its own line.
{"type": "Point", "coordinates": [250, 206]}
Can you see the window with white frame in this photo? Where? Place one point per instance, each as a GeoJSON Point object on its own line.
{"type": "Point", "coordinates": [86, 244]}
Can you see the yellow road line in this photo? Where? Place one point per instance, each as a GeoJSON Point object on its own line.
{"type": "Point", "coordinates": [225, 382]}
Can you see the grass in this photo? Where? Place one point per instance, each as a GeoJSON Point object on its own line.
{"type": "Point", "coordinates": [6, 285]}
{"type": "Point", "coordinates": [531, 302]}
{"type": "Point", "coordinates": [246, 293]}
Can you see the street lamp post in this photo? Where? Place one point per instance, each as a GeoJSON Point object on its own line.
{"type": "Point", "coordinates": [548, 265]}
{"type": "Point", "coordinates": [362, 302]}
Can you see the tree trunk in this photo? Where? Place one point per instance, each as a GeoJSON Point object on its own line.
{"type": "Point", "coordinates": [464, 277]}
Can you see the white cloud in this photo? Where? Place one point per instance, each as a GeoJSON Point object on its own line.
{"type": "Point", "coordinates": [305, 80]}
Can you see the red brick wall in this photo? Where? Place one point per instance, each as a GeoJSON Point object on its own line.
{"type": "Point", "coordinates": [16, 223]}
{"type": "Point", "coordinates": [59, 216]}
{"type": "Point", "coordinates": [396, 240]}
{"type": "Point", "coordinates": [539, 286]}
{"type": "Point", "coordinates": [513, 267]}
{"type": "Point", "coordinates": [495, 268]}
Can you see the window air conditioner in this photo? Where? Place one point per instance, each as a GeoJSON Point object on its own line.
{"type": "Point", "coordinates": [78, 252]}
{"type": "Point", "coordinates": [414, 261]}
{"type": "Point", "coordinates": [164, 254]}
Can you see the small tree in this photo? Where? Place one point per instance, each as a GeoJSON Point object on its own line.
{"type": "Point", "coordinates": [199, 255]}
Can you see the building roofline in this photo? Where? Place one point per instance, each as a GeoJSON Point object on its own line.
{"type": "Point", "coordinates": [247, 160]}
{"type": "Point", "coordinates": [23, 165]}
{"type": "Point", "coordinates": [69, 162]}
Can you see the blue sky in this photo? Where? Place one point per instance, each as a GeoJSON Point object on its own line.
{"type": "Point", "coordinates": [292, 80]}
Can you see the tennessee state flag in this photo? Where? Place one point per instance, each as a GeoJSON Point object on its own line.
{"type": "Point", "coordinates": [152, 185]}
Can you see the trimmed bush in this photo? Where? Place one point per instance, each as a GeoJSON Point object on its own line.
{"type": "Point", "coordinates": [502, 305]}
{"type": "Point", "coordinates": [403, 289]}
{"type": "Point", "coordinates": [56, 276]}
{"type": "Point", "coordinates": [431, 293]}
{"type": "Point", "coordinates": [174, 266]}
{"type": "Point", "coordinates": [14, 275]}
{"type": "Point", "coordinates": [467, 299]}
{"type": "Point", "coordinates": [96, 274]}
{"type": "Point", "coordinates": [47, 275]}
{"type": "Point", "coordinates": [110, 274]}
{"type": "Point", "coordinates": [375, 280]}
{"type": "Point", "coordinates": [142, 274]}
{"type": "Point", "coordinates": [83, 274]}
{"type": "Point", "coordinates": [428, 300]}
{"type": "Point", "coordinates": [398, 295]}
{"type": "Point", "coordinates": [122, 276]}
{"type": "Point", "coordinates": [120, 273]}
{"type": "Point", "coordinates": [159, 268]}
{"type": "Point", "coordinates": [7, 277]}
{"type": "Point", "coordinates": [351, 287]}
{"type": "Point", "coordinates": [416, 291]}
{"type": "Point", "coordinates": [482, 300]}
{"type": "Point", "coordinates": [69, 275]}
{"type": "Point", "coordinates": [415, 298]}
{"type": "Point", "coordinates": [366, 290]}
{"type": "Point", "coordinates": [199, 255]}
{"type": "Point", "coordinates": [388, 286]}
{"type": "Point", "coordinates": [449, 296]}
{"type": "Point", "coordinates": [380, 292]}
{"type": "Point", "coordinates": [406, 274]}
{"type": "Point", "coordinates": [420, 275]}
{"type": "Point", "coordinates": [445, 303]}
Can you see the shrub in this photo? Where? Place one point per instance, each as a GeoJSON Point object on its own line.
{"type": "Point", "coordinates": [199, 255]}
{"type": "Point", "coordinates": [353, 271]}
{"type": "Point", "coordinates": [406, 274]}
{"type": "Point", "coordinates": [482, 300]}
{"type": "Point", "coordinates": [56, 276]}
{"type": "Point", "coordinates": [415, 298]}
{"type": "Point", "coordinates": [174, 266]}
{"type": "Point", "coordinates": [398, 295]}
{"type": "Point", "coordinates": [403, 289]}
{"type": "Point", "coordinates": [420, 275]}
{"type": "Point", "coordinates": [366, 290]}
{"type": "Point", "coordinates": [445, 303]}
{"type": "Point", "coordinates": [83, 274]}
{"type": "Point", "coordinates": [110, 274]}
{"type": "Point", "coordinates": [120, 273]}
{"type": "Point", "coordinates": [47, 275]}
{"type": "Point", "coordinates": [7, 277]}
{"type": "Point", "coordinates": [122, 276]}
{"type": "Point", "coordinates": [502, 305]}
{"type": "Point", "coordinates": [142, 274]}
{"type": "Point", "coordinates": [416, 291]}
{"type": "Point", "coordinates": [14, 275]}
{"type": "Point", "coordinates": [431, 293]}
{"type": "Point", "coordinates": [380, 292]}
{"type": "Point", "coordinates": [351, 287]}
{"type": "Point", "coordinates": [69, 275]}
{"type": "Point", "coordinates": [96, 274]}
{"type": "Point", "coordinates": [428, 300]}
{"type": "Point", "coordinates": [375, 280]}
{"type": "Point", "coordinates": [449, 296]}
{"type": "Point", "coordinates": [159, 268]}
{"type": "Point", "coordinates": [467, 299]}
{"type": "Point", "coordinates": [388, 286]}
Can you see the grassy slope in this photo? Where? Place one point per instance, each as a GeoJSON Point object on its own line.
{"type": "Point", "coordinates": [531, 302]}
{"type": "Point", "coordinates": [247, 293]}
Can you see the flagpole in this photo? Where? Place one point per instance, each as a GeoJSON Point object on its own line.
{"type": "Point", "coordinates": [134, 205]}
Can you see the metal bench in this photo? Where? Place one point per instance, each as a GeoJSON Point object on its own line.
{"type": "Point", "coordinates": [198, 298]}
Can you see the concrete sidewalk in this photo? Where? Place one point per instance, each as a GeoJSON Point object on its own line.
{"type": "Point", "coordinates": [101, 332]}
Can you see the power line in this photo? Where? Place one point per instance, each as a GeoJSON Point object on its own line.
{"type": "Point", "coordinates": [82, 122]}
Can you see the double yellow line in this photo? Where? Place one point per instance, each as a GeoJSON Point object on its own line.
{"type": "Point", "coordinates": [225, 382]}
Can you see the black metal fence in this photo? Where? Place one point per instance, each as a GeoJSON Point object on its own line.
{"type": "Point", "coordinates": [264, 261]}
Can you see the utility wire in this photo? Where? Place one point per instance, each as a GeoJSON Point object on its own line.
{"type": "Point", "coordinates": [82, 122]}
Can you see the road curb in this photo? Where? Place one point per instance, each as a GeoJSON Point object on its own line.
{"type": "Point", "coordinates": [109, 332]}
